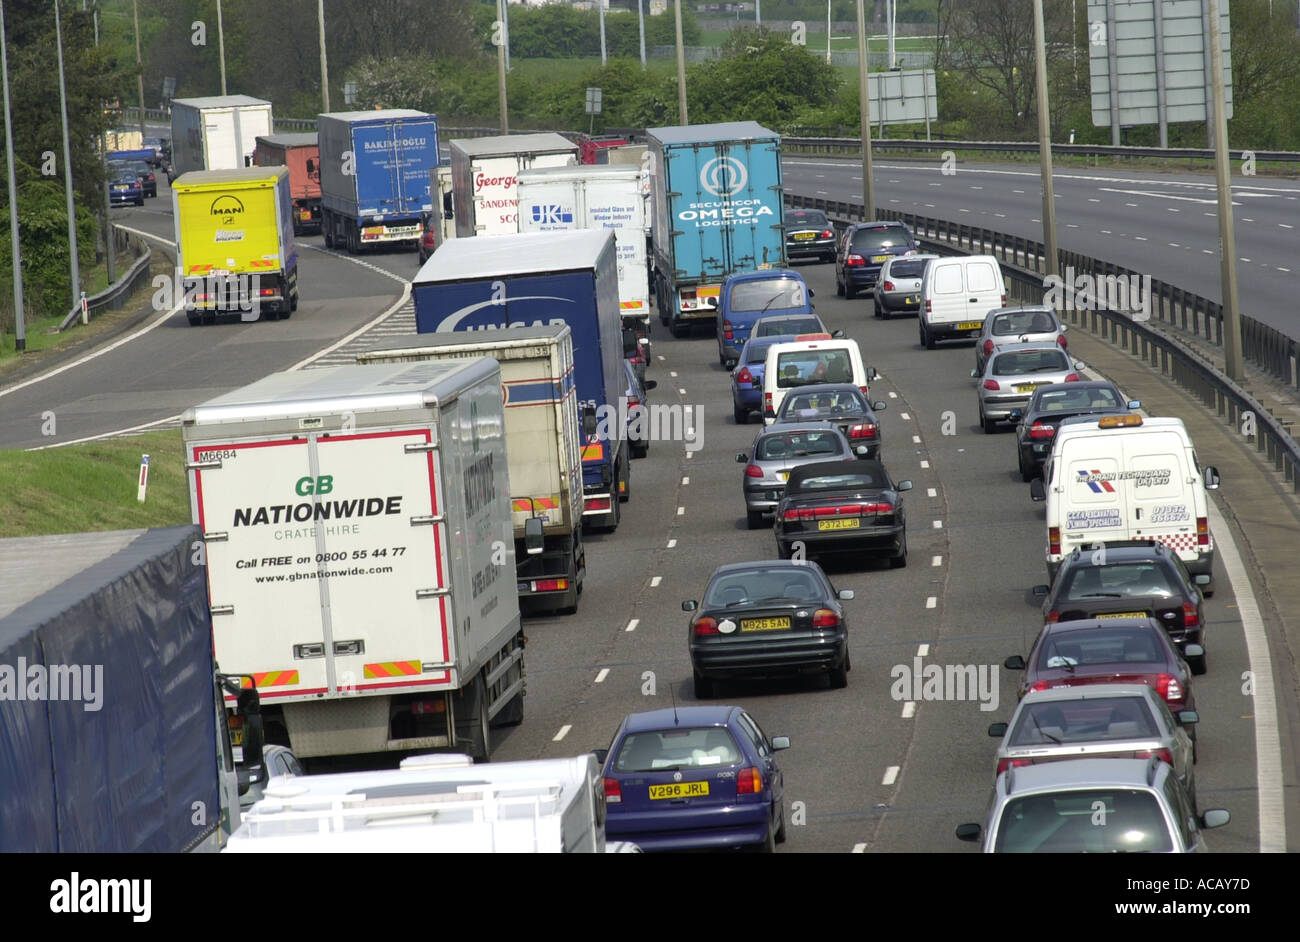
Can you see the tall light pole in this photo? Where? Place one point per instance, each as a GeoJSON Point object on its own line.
{"type": "Point", "coordinates": [139, 67]}
{"type": "Point", "coordinates": [868, 180]}
{"type": "Point", "coordinates": [20, 326]}
{"type": "Point", "coordinates": [67, 162]}
{"type": "Point", "coordinates": [640, 25]}
{"type": "Point", "coordinates": [1045, 142]}
{"type": "Point", "coordinates": [1234, 366]}
{"type": "Point", "coordinates": [758, 12]}
{"type": "Point", "coordinates": [221, 45]}
{"type": "Point", "coordinates": [891, 12]}
{"type": "Point", "coordinates": [501, 66]}
{"type": "Point", "coordinates": [601, 7]}
{"type": "Point", "coordinates": [828, 32]}
{"type": "Point", "coordinates": [683, 120]}
{"type": "Point", "coordinates": [324, 67]}
{"type": "Point", "coordinates": [110, 254]}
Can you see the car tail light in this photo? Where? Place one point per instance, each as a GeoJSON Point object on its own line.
{"type": "Point", "coordinates": [866, 392]}
{"type": "Point", "coordinates": [928, 307]}
{"type": "Point", "coordinates": [1190, 617]}
{"type": "Point", "coordinates": [749, 781]}
{"type": "Point", "coordinates": [1004, 764]}
{"type": "Point", "coordinates": [744, 375]}
{"type": "Point", "coordinates": [266, 292]}
{"type": "Point", "coordinates": [988, 347]}
{"type": "Point", "coordinates": [828, 234]}
{"type": "Point", "coordinates": [1053, 616]}
{"type": "Point", "coordinates": [1004, 300]}
{"type": "Point", "coordinates": [427, 707]}
{"type": "Point", "coordinates": [613, 791]}
{"type": "Point", "coordinates": [726, 331]}
{"type": "Point", "coordinates": [767, 401]}
{"type": "Point", "coordinates": [1054, 541]}
{"type": "Point", "coordinates": [551, 585]}
{"type": "Point", "coordinates": [825, 618]}
{"type": "Point", "coordinates": [1169, 688]}
{"type": "Point", "coordinates": [1072, 378]}
{"type": "Point", "coordinates": [1039, 685]}
{"type": "Point", "coordinates": [753, 471]}
{"type": "Point", "coordinates": [1202, 531]}
{"type": "Point", "coordinates": [596, 503]}
{"type": "Point", "coordinates": [1164, 755]}
{"type": "Point", "coordinates": [888, 286]}
{"type": "Point", "coordinates": [1041, 429]}
{"type": "Point", "coordinates": [991, 384]}
{"type": "Point", "coordinates": [1060, 338]}
{"type": "Point", "coordinates": [855, 261]}
{"type": "Point", "coordinates": [705, 625]}
{"type": "Point", "coordinates": [865, 430]}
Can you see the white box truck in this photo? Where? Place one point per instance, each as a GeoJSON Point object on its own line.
{"type": "Point", "coordinates": [434, 804]}
{"type": "Point", "coordinates": [485, 173]}
{"type": "Point", "coordinates": [596, 196]}
{"type": "Point", "coordinates": [359, 546]}
{"type": "Point", "coordinates": [543, 446]}
{"type": "Point", "coordinates": [217, 133]}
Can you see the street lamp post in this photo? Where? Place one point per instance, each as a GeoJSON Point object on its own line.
{"type": "Point", "coordinates": [221, 46]}
{"type": "Point", "coordinates": [324, 67]}
{"type": "Point", "coordinates": [1045, 143]}
{"type": "Point", "coordinates": [139, 73]}
{"type": "Point", "coordinates": [20, 327]}
{"type": "Point", "coordinates": [640, 25]}
{"type": "Point", "coordinates": [868, 181]}
{"type": "Point", "coordinates": [683, 120]}
{"type": "Point", "coordinates": [67, 162]}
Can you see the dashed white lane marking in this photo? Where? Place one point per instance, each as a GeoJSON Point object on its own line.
{"type": "Point", "coordinates": [631, 626]}
{"type": "Point", "coordinates": [654, 582]}
{"type": "Point", "coordinates": [604, 672]}
{"type": "Point", "coordinates": [1105, 232]}
{"type": "Point", "coordinates": [891, 775]}
{"type": "Point", "coordinates": [1286, 225]}
{"type": "Point", "coordinates": [1093, 199]}
{"type": "Point", "coordinates": [893, 395]}
{"type": "Point", "coordinates": [681, 392]}
{"type": "Point", "coordinates": [1174, 245]}
{"type": "Point", "coordinates": [938, 524]}
{"type": "Point", "coordinates": [916, 439]}
{"type": "Point", "coordinates": [963, 210]}
{"type": "Point", "coordinates": [1287, 270]}
{"type": "Point", "coordinates": [859, 848]}
{"type": "Point", "coordinates": [1244, 259]}
{"type": "Point", "coordinates": [661, 357]}
{"type": "Point", "coordinates": [671, 544]}
{"type": "Point", "coordinates": [681, 511]}
{"type": "Point", "coordinates": [936, 560]}
{"type": "Point", "coordinates": [564, 731]}
{"type": "Point", "coordinates": [686, 480]}
{"type": "Point", "coordinates": [1207, 251]}
{"type": "Point", "coordinates": [931, 602]}
{"type": "Point", "coordinates": [909, 709]}
{"type": "Point", "coordinates": [672, 373]}
{"type": "Point", "coordinates": [922, 650]}
{"type": "Point", "coordinates": [1017, 191]}
{"type": "Point", "coordinates": [931, 492]}
{"type": "Point", "coordinates": [1172, 210]}
{"type": "Point", "coordinates": [1141, 238]}
{"type": "Point", "coordinates": [924, 463]}
{"type": "Point", "coordinates": [904, 416]}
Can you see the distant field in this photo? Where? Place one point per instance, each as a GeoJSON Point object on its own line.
{"type": "Point", "coordinates": [877, 43]}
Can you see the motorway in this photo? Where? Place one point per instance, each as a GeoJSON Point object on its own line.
{"type": "Point", "coordinates": [867, 771]}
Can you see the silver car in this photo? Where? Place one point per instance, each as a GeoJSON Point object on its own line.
{"type": "Point", "coordinates": [776, 451]}
{"type": "Point", "coordinates": [1019, 325]}
{"type": "Point", "coordinates": [1092, 806]}
{"type": "Point", "coordinates": [776, 324]}
{"type": "Point", "coordinates": [1012, 373]}
{"type": "Point", "coordinates": [899, 286]}
{"type": "Point", "coordinates": [1096, 721]}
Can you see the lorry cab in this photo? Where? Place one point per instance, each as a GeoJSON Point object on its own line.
{"type": "Point", "coordinates": [1127, 477]}
{"type": "Point", "coordinates": [747, 296]}
{"type": "Point", "coordinates": [807, 360]}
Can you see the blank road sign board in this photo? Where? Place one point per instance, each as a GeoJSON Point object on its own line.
{"type": "Point", "coordinates": [1184, 47]}
{"type": "Point", "coordinates": [902, 97]}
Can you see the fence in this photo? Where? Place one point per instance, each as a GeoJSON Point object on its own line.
{"type": "Point", "coordinates": [111, 298]}
{"type": "Point", "coordinates": [1023, 264]}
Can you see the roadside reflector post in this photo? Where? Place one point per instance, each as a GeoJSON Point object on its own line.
{"type": "Point", "coordinates": [144, 478]}
{"type": "Point", "coordinates": [85, 309]}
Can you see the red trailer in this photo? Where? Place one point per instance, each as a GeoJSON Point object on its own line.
{"type": "Point", "coordinates": [300, 153]}
{"type": "Point", "coordinates": [592, 149]}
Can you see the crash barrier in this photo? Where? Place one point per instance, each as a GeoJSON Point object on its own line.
{"type": "Point", "coordinates": [112, 297]}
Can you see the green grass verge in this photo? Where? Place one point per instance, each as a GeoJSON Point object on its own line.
{"type": "Point", "coordinates": [93, 487]}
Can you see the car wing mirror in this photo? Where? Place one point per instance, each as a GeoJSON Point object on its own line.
{"type": "Point", "coordinates": [1211, 477]}
{"type": "Point", "coordinates": [997, 730]}
{"type": "Point", "coordinates": [903, 486]}
{"type": "Point", "coordinates": [971, 832]}
{"type": "Point", "coordinates": [651, 384]}
{"type": "Point", "coordinates": [1014, 663]}
{"type": "Point", "coordinates": [690, 605]}
{"type": "Point", "coordinates": [533, 538]}
{"type": "Point", "coordinates": [780, 742]}
{"type": "Point", "coordinates": [1040, 591]}
{"type": "Point", "coordinates": [1036, 489]}
{"type": "Point", "coordinates": [742, 458]}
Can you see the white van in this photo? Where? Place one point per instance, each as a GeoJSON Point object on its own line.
{"type": "Point", "coordinates": [1125, 477]}
{"type": "Point", "coordinates": [956, 295]}
{"type": "Point", "coordinates": [809, 359]}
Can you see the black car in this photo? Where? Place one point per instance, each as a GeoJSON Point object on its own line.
{"type": "Point", "coordinates": [854, 507]}
{"type": "Point", "coordinates": [808, 233]}
{"type": "Point", "coordinates": [145, 172]}
{"type": "Point", "coordinates": [1050, 405]}
{"type": "Point", "coordinates": [841, 404]}
{"type": "Point", "coordinates": [768, 619]}
{"type": "Point", "coordinates": [1130, 579]}
{"type": "Point", "coordinates": [863, 249]}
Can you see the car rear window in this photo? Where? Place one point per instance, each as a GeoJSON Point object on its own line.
{"type": "Point", "coordinates": [906, 269]}
{"type": "Point", "coordinates": [830, 401]}
{"type": "Point", "coordinates": [677, 749]}
{"type": "Point", "coordinates": [811, 219]}
{"type": "Point", "coordinates": [1100, 820]}
{"type": "Point", "coordinates": [799, 445]}
{"type": "Point", "coordinates": [1089, 647]}
{"type": "Point", "coordinates": [756, 352]}
{"type": "Point", "coordinates": [791, 325]}
{"type": "Point", "coordinates": [1128, 580]}
{"type": "Point", "coordinates": [765, 584]}
{"type": "Point", "coordinates": [1053, 722]}
{"type": "Point", "coordinates": [1023, 322]}
{"type": "Point", "coordinates": [801, 367]}
{"type": "Point", "coordinates": [1070, 400]}
{"type": "Point", "coordinates": [829, 482]}
{"type": "Point", "coordinates": [764, 295]}
{"type": "Point", "coordinates": [1030, 361]}
{"type": "Point", "coordinates": [886, 238]}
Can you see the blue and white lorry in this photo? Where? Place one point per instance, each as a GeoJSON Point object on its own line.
{"type": "Point", "coordinates": [533, 279]}
{"type": "Point", "coordinates": [374, 176]}
{"type": "Point", "coordinates": [717, 197]}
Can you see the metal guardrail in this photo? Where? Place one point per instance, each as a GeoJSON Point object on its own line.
{"type": "Point", "coordinates": [852, 146]}
{"type": "Point", "coordinates": [1023, 264]}
{"type": "Point", "coordinates": [111, 297]}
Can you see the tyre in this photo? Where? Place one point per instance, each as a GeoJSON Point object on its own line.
{"type": "Point", "coordinates": [926, 339]}
{"type": "Point", "coordinates": [638, 449]}
{"type": "Point", "coordinates": [616, 512]}
{"type": "Point", "coordinates": [625, 480]}
{"type": "Point", "coordinates": [754, 518]}
{"type": "Point", "coordinates": [990, 425]}
{"type": "Point", "coordinates": [782, 551]}
{"type": "Point", "coordinates": [839, 287]}
{"type": "Point", "coordinates": [194, 317]}
{"type": "Point", "coordinates": [327, 230]}
{"type": "Point", "coordinates": [1191, 734]}
{"type": "Point", "coordinates": [899, 561]}
{"type": "Point", "coordinates": [703, 687]}
{"type": "Point", "coordinates": [1027, 474]}
{"type": "Point", "coordinates": [780, 826]}
{"type": "Point", "coordinates": [741, 415]}
{"type": "Point", "coordinates": [1198, 664]}
{"type": "Point", "coordinates": [293, 301]}
{"type": "Point", "coordinates": [875, 308]}
{"type": "Point", "coordinates": [679, 330]}
{"type": "Point", "coordinates": [481, 734]}
{"type": "Point", "coordinates": [850, 292]}
{"type": "Point", "coordinates": [839, 676]}
{"type": "Point", "coordinates": [768, 846]}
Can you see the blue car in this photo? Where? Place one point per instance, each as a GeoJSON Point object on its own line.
{"type": "Point", "coordinates": [747, 377]}
{"type": "Point", "coordinates": [693, 778]}
{"type": "Point", "coordinates": [124, 187]}
{"type": "Point", "coordinates": [746, 297]}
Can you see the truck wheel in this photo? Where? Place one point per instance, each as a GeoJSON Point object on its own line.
{"type": "Point", "coordinates": [327, 229]}
{"type": "Point", "coordinates": [615, 512]}
{"type": "Point", "coordinates": [194, 317]}
{"type": "Point", "coordinates": [679, 329]}
{"type": "Point", "coordinates": [481, 745]}
{"type": "Point", "coordinates": [639, 449]}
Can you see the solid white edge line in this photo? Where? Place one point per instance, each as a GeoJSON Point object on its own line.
{"type": "Point", "coordinates": [1268, 742]}
{"type": "Point", "coordinates": [392, 309]}
{"type": "Point", "coordinates": [604, 672]}
{"type": "Point", "coordinates": [564, 731]}
{"type": "Point", "coordinates": [102, 435]}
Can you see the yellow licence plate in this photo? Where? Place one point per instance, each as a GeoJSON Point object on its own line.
{"type": "Point", "coordinates": [680, 790]}
{"type": "Point", "coordinates": [237, 736]}
{"type": "Point", "coordinates": [852, 523]}
{"type": "Point", "coordinates": [783, 475]}
{"type": "Point", "coordinates": [1027, 387]}
{"type": "Point", "coordinates": [881, 258]}
{"type": "Point", "coordinates": [970, 325]}
{"type": "Point", "coordinates": [804, 236]}
{"type": "Point", "coordinates": [764, 624]}
{"type": "Point", "coordinates": [1124, 615]}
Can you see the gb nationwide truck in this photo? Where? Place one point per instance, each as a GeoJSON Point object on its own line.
{"type": "Point", "coordinates": [717, 210]}
{"type": "Point", "coordinates": [485, 173]}
{"type": "Point", "coordinates": [542, 442]}
{"type": "Point", "coordinates": [596, 197]}
{"type": "Point", "coordinates": [300, 153]}
{"type": "Point", "coordinates": [217, 133]}
{"type": "Point", "coordinates": [113, 736]}
{"type": "Point", "coordinates": [360, 553]}
{"type": "Point", "coordinates": [234, 243]}
{"type": "Point", "coordinates": [534, 279]}
{"type": "Point", "coordinates": [374, 176]}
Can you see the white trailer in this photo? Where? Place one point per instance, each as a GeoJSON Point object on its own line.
{"type": "Point", "coordinates": [596, 196]}
{"type": "Point", "coordinates": [217, 133]}
{"type": "Point", "coordinates": [485, 173]}
{"type": "Point", "coordinates": [359, 546]}
{"type": "Point", "coordinates": [433, 804]}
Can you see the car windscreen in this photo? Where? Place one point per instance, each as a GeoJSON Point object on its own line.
{"type": "Point", "coordinates": [677, 749]}
{"type": "Point", "coordinates": [1077, 400]}
{"type": "Point", "coordinates": [887, 238]}
{"type": "Point", "coordinates": [1053, 722]}
{"type": "Point", "coordinates": [761, 584]}
{"type": "Point", "coordinates": [1088, 647]}
{"type": "Point", "coordinates": [814, 444]}
{"type": "Point", "coordinates": [807, 219]}
{"type": "Point", "coordinates": [801, 367]}
{"type": "Point", "coordinates": [1030, 361]}
{"type": "Point", "coordinates": [789, 325]}
{"type": "Point", "coordinates": [1118, 581]}
{"type": "Point", "coordinates": [833, 402]}
{"type": "Point", "coordinates": [833, 482]}
{"type": "Point", "coordinates": [768, 294]}
{"type": "Point", "coordinates": [907, 268]}
{"type": "Point", "coordinates": [1023, 322]}
{"type": "Point", "coordinates": [1098, 820]}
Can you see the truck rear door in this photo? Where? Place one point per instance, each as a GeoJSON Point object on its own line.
{"type": "Point", "coordinates": [377, 175]}
{"type": "Point", "coordinates": [1160, 499]}
{"type": "Point", "coordinates": [1093, 504]}
{"type": "Point", "coordinates": [415, 152]}
{"type": "Point", "coordinates": [701, 179]}
{"type": "Point", "coordinates": [751, 184]}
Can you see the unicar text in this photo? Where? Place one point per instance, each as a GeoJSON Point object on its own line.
{"type": "Point", "coordinates": [71, 682]}
{"type": "Point", "coordinates": [1130, 294]}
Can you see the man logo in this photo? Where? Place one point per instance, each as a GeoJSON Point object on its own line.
{"type": "Point", "coordinates": [552, 215]}
{"type": "Point", "coordinates": [723, 176]}
{"type": "Point", "coordinates": [227, 207]}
